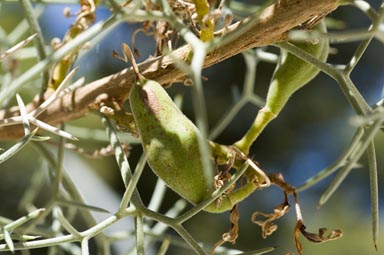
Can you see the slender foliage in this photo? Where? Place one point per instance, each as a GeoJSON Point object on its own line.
{"type": "Point", "coordinates": [206, 27]}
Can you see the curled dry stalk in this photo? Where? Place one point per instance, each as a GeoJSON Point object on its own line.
{"type": "Point", "coordinates": [278, 180]}
{"type": "Point", "coordinates": [232, 235]}
{"type": "Point", "coordinates": [267, 224]}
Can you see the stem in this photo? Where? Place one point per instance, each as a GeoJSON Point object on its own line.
{"type": "Point", "coordinates": [41, 243]}
{"type": "Point", "coordinates": [176, 226]}
{"type": "Point", "coordinates": [227, 118]}
{"type": "Point", "coordinates": [39, 40]}
{"type": "Point", "coordinates": [139, 234]}
{"type": "Point", "coordinates": [353, 95]}
{"type": "Point", "coordinates": [59, 166]}
{"type": "Point", "coordinates": [251, 61]}
{"type": "Point", "coordinates": [263, 117]}
{"type": "Point", "coordinates": [365, 141]}
{"type": "Point", "coordinates": [131, 194]}
{"type": "Point", "coordinates": [131, 187]}
{"type": "Point", "coordinates": [84, 246]}
{"type": "Point", "coordinates": [343, 159]}
{"type": "Point", "coordinates": [373, 180]}
{"type": "Point", "coordinates": [157, 195]}
{"type": "Point", "coordinates": [189, 239]}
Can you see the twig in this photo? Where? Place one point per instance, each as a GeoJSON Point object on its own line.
{"type": "Point", "coordinates": [39, 40]}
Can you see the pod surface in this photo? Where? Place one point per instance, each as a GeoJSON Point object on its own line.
{"type": "Point", "coordinates": [170, 140]}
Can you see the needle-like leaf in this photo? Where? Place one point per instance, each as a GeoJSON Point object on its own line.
{"type": "Point", "coordinates": [17, 47]}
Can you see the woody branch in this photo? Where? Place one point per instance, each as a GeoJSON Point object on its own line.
{"type": "Point", "coordinates": [272, 26]}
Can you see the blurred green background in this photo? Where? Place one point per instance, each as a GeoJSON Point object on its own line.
{"type": "Point", "coordinates": [310, 134]}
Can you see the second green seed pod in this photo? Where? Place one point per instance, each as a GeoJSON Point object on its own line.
{"type": "Point", "coordinates": [171, 141]}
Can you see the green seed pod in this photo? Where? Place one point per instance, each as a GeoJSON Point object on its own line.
{"type": "Point", "coordinates": [292, 73]}
{"type": "Point", "coordinates": [170, 140]}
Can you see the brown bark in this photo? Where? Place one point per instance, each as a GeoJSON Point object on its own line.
{"type": "Point", "coordinates": [273, 24]}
